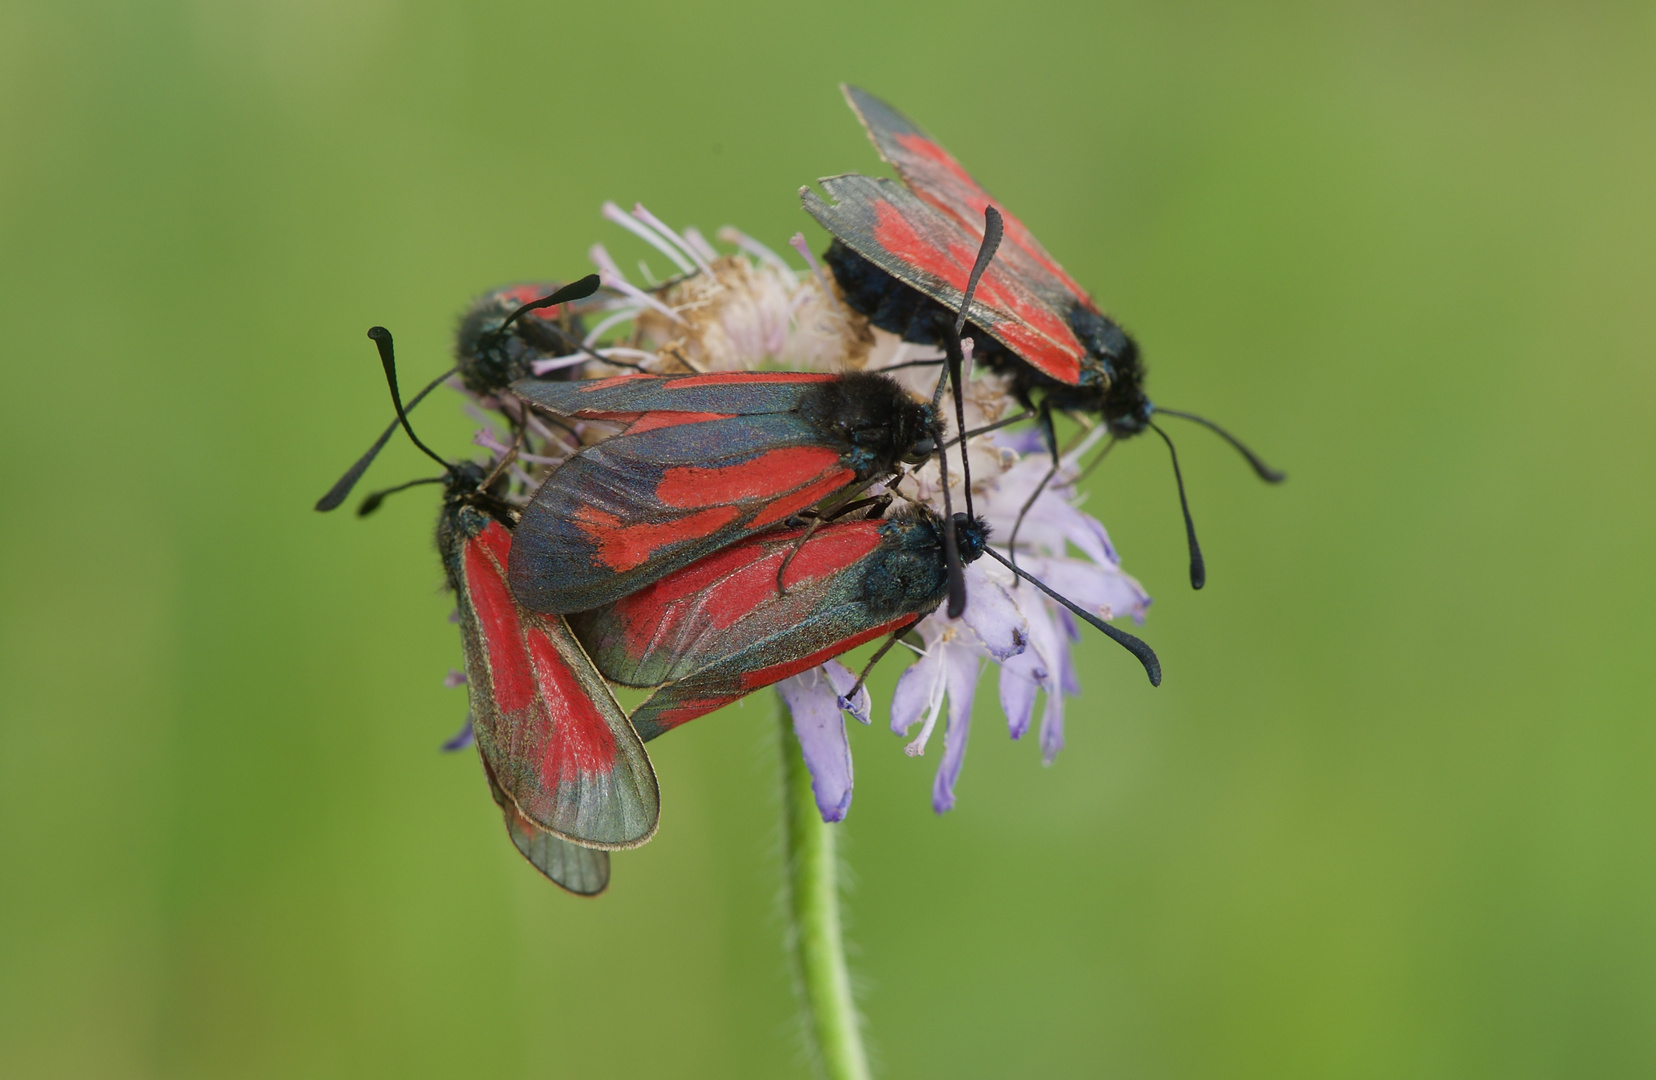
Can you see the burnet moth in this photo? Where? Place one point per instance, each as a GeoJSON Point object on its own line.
{"type": "Point", "coordinates": [499, 340]}
{"type": "Point", "coordinates": [703, 462]}
{"type": "Point", "coordinates": [562, 759]}
{"type": "Point", "coordinates": [508, 330]}
{"type": "Point", "coordinates": [721, 628]}
{"type": "Point", "coordinates": [903, 255]}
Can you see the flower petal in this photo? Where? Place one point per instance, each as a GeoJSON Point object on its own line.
{"type": "Point", "coordinates": [1023, 441]}
{"type": "Point", "coordinates": [1038, 667]}
{"type": "Point", "coordinates": [1052, 727]}
{"type": "Point", "coordinates": [1109, 592]}
{"type": "Point", "coordinates": [919, 689]}
{"type": "Point", "coordinates": [1017, 695]}
{"type": "Point", "coordinates": [1068, 682]}
{"type": "Point", "coordinates": [1081, 529]}
{"type": "Point", "coordinates": [993, 615]}
{"type": "Point", "coordinates": [963, 666]}
{"type": "Point", "coordinates": [814, 705]}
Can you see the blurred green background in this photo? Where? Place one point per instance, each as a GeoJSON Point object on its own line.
{"type": "Point", "coordinates": [1391, 814]}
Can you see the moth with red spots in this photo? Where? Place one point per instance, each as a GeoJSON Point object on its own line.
{"type": "Point", "coordinates": [499, 340]}
{"type": "Point", "coordinates": [501, 336]}
{"type": "Point", "coordinates": [562, 760]}
{"type": "Point", "coordinates": [555, 740]}
{"type": "Point", "coordinates": [563, 763]}
{"type": "Point", "coordinates": [721, 628]}
{"type": "Point", "coordinates": [703, 461]}
{"type": "Point", "coordinates": [717, 630]}
{"type": "Point", "coordinates": [1040, 324]}
{"type": "Point", "coordinates": [903, 254]}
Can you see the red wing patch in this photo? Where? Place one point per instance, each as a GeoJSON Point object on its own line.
{"type": "Point", "coordinates": [679, 703]}
{"type": "Point", "coordinates": [758, 478]}
{"type": "Point", "coordinates": [997, 289]}
{"type": "Point", "coordinates": [513, 681]}
{"type": "Point", "coordinates": [660, 419]}
{"type": "Point", "coordinates": [933, 174]}
{"type": "Point", "coordinates": [806, 496]}
{"type": "Point", "coordinates": [549, 729]}
{"type": "Point", "coordinates": [888, 225]}
{"type": "Point", "coordinates": [518, 295]}
{"type": "Point", "coordinates": [831, 549]}
{"type": "Point", "coordinates": [623, 546]}
{"type": "Point", "coordinates": [498, 541]}
{"type": "Point", "coordinates": [663, 630]}
{"type": "Point", "coordinates": [573, 739]}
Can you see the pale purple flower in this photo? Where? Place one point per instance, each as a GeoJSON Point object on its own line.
{"type": "Point", "coordinates": [813, 698]}
{"type": "Point", "coordinates": [946, 672]}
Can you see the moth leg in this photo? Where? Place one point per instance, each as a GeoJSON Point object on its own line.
{"type": "Point", "coordinates": [913, 363]}
{"type": "Point", "coordinates": [505, 461]}
{"type": "Point", "coordinates": [819, 517]}
{"type": "Point", "coordinates": [880, 502]}
{"type": "Point", "coordinates": [816, 522]}
{"type": "Point", "coordinates": [868, 668]}
{"type": "Point", "coordinates": [678, 357]}
{"type": "Point", "coordinates": [996, 426]}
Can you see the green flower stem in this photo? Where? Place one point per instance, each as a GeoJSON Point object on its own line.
{"type": "Point", "coordinates": [814, 919]}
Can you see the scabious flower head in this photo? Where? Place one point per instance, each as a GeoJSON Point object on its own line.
{"type": "Point", "coordinates": [744, 314]}
{"type": "Point", "coordinates": [751, 309]}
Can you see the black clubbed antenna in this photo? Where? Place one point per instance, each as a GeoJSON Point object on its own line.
{"type": "Point", "coordinates": [578, 290]}
{"type": "Point", "coordinates": [954, 374]}
{"type": "Point", "coordinates": [956, 352]}
{"type": "Point", "coordinates": [338, 493]}
{"type": "Point", "coordinates": [1198, 567]}
{"type": "Point", "coordinates": [992, 230]}
{"type": "Point", "coordinates": [1266, 473]}
{"type": "Point", "coordinates": [951, 549]}
{"type": "Point", "coordinates": [1143, 652]}
{"type": "Point", "coordinates": [372, 502]}
{"type": "Point", "coordinates": [388, 359]}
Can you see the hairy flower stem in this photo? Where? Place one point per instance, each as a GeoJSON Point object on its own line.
{"type": "Point", "coordinates": [814, 919]}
